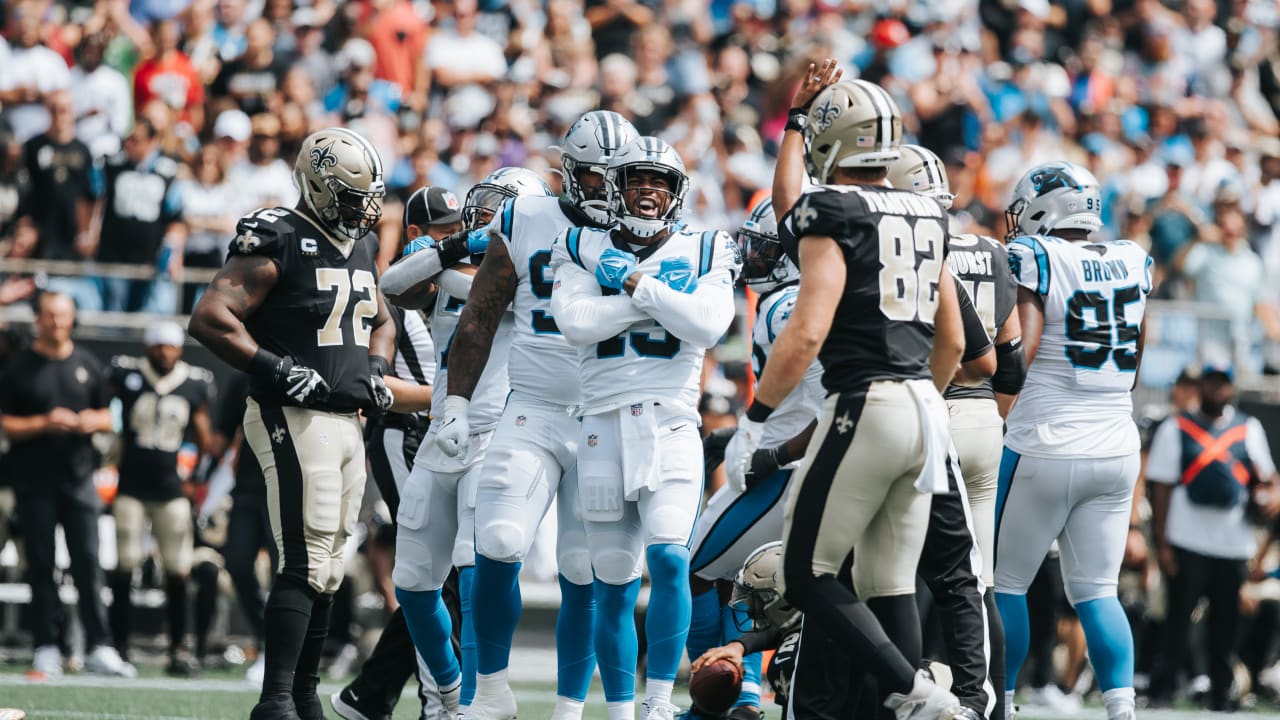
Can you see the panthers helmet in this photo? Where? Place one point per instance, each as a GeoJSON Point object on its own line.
{"type": "Point", "coordinates": [645, 154]}
{"type": "Point", "coordinates": [486, 197]}
{"type": "Point", "coordinates": [852, 124]}
{"type": "Point", "coordinates": [756, 592]}
{"type": "Point", "coordinates": [588, 145]}
{"type": "Point", "coordinates": [920, 170]}
{"type": "Point", "coordinates": [764, 264]}
{"type": "Point", "coordinates": [1054, 196]}
{"type": "Point", "coordinates": [339, 175]}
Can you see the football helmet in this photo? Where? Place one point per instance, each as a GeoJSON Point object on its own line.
{"type": "Point", "coordinates": [920, 170]}
{"type": "Point", "coordinates": [764, 264]}
{"type": "Point", "coordinates": [756, 592]}
{"type": "Point", "coordinates": [587, 147]}
{"type": "Point", "coordinates": [650, 210]}
{"type": "Point", "coordinates": [339, 175]}
{"type": "Point", "coordinates": [852, 124]}
{"type": "Point", "coordinates": [487, 196]}
{"type": "Point", "coordinates": [1054, 196]}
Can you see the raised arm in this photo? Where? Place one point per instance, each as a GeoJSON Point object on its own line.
{"type": "Point", "coordinates": [492, 290]}
{"type": "Point", "coordinates": [789, 174]}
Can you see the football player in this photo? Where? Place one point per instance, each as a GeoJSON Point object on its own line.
{"type": "Point", "coordinates": [435, 520]}
{"type": "Point", "coordinates": [164, 402]}
{"type": "Point", "coordinates": [879, 308]}
{"type": "Point", "coordinates": [747, 512]}
{"type": "Point", "coordinates": [1071, 449]}
{"type": "Point", "coordinates": [297, 305]}
{"type": "Point", "coordinates": [642, 302]}
{"type": "Point", "coordinates": [533, 457]}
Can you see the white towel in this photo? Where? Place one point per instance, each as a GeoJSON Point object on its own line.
{"type": "Point", "coordinates": [638, 436]}
{"type": "Point", "coordinates": [936, 435]}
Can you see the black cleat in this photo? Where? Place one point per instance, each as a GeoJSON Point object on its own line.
{"type": "Point", "coordinates": [182, 664]}
{"type": "Point", "coordinates": [745, 712]}
{"type": "Point", "coordinates": [274, 708]}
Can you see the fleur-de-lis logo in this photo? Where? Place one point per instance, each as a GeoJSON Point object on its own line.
{"type": "Point", "coordinates": [323, 157]}
{"type": "Point", "coordinates": [844, 423]}
{"type": "Point", "coordinates": [247, 242]}
{"type": "Point", "coordinates": [278, 435]}
{"type": "Point", "coordinates": [803, 216]}
{"type": "Point", "coordinates": [825, 114]}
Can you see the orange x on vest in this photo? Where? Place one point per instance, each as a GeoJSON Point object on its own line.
{"type": "Point", "coordinates": [1214, 448]}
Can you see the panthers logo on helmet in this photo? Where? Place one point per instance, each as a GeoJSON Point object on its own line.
{"type": "Point", "coordinates": [1053, 178]}
{"type": "Point", "coordinates": [323, 157]}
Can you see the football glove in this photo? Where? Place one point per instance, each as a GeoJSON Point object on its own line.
{"type": "Point", "coordinates": [738, 454]}
{"type": "Point", "coordinates": [677, 274]}
{"type": "Point", "coordinates": [455, 430]}
{"type": "Point", "coordinates": [419, 244]}
{"type": "Point", "coordinates": [380, 395]}
{"type": "Point", "coordinates": [713, 448]}
{"type": "Point", "coordinates": [614, 267]}
{"type": "Point", "coordinates": [478, 241]}
{"type": "Point", "coordinates": [765, 462]}
{"type": "Point", "coordinates": [300, 383]}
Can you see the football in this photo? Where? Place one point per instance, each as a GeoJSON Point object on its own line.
{"type": "Point", "coordinates": [715, 687]}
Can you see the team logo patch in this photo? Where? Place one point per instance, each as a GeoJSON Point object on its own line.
{"type": "Point", "coordinates": [844, 423]}
{"type": "Point", "coordinates": [520, 421]}
{"type": "Point", "coordinates": [803, 216]}
{"type": "Point", "coordinates": [733, 247]}
{"type": "Point", "coordinates": [450, 200]}
{"type": "Point", "coordinates": [82, 375]}
{"type": "Point", "coordinates": [637, 410]}
{"type": "Point", "coordinates": [825, 114]}
{"type": "Point", "coordinates": [277, 435]}
{"type": "Point", "coordinates": [592, 441]}
{"type": "Point", "coordinates": [865, 141]}
{"type": "Point", "coordinates": [323, 157]}
{"type": "Point", "coordinates": [1015, 264]}
{"type": "Point", "coordinates": [247, 243]}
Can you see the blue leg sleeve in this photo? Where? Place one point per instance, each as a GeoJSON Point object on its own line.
{"type": "Point", "coordinates": [575, 642]}
{"type": "Point", "coordinates": [466, 580]}
{"type": "Point", "coordinates": [495, 600]}
{"type": "Point", "coordinates": [1110, 641]}
{"type": "Point", "coordinates": [730, 619]}
{"type": "Point", "coordinates": [430, 628]}
{"type": "Point", "coordinates": [704, 624]}
{"type": "Point", "coordinates": [667, 620]}
{"type": "Point", "coordinates": [1017, 635]}
{"type": "Point", "coordinates": [617, 647]}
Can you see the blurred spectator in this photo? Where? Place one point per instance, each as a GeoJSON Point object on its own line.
{"type": "Point", "coordinates": [614, 21]}
{"type": "Point", "coordinates": [141, 221]}
{"type": "Point", "coordinates": [229, 32]}
{"type": "Point", "coordinates": [103, 99]}
{"type": "Point", "coordinates": [458, 55]}
{"type": "Point", "coordinates": [31, 72]}
{"type": "Point", "coordinates": [264, 180]}
{"type": "Point", "coordinates": [15, 193]}
{"type": "Point", "coordinates": [313, 58]}
{"type": "Point", "coordinates": [231, 133]}
{"type": "Point", "coordinates": [206, 199]}
{"type": "Point", "coordinates": [169, 76]}
{"type": "Point", "coordinates": [399, 38]}
{"type": "Point", "coordinates": [253, 79]}
{"type": "Point", "coordinates": [1226, 273]}
{"type": "Point", "coordinates": [358, 93]}
{"type": "Point", "coordinates": [1175, 218]}
{"type": "Point", "coordinates": [63, 188]}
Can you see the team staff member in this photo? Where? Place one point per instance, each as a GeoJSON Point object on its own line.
{"type": "Point", "coordinates": [297, 305]}
{"type": "Point", "coordinates": [165, 402]}
{"type": "Point", "coordinates": [1202, 466]}
{"type": "Point", "coordinates": [53, 398]}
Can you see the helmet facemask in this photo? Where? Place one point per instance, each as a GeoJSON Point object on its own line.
{"type": "Point", "coordinates": [350, 211]}
{"type": "Point", "coordinates": [592, 200]}
{"type": "Point", "coordinates": [646, 199]}
{"type": "Point", "coordinates": [761, 259]}
{"type": "Point", "coordinates": [482, 202]}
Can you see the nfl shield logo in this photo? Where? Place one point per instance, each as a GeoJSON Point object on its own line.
{"type": "Point", "coordinates": [592, 440]}
{"type": "Point", "coordinates": [520, 421]}
{"type": "Point", "coordinates": [637, 410]}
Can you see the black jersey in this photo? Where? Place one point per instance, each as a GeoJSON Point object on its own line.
{"type": "Point", "coordinates": [320, 311]}
{"type": "Point", "coordinates": [157, 411]}
{"type": "Point", "coordinates": [981, 265]}
{"type": "Point", "coordinates": [894, 244]}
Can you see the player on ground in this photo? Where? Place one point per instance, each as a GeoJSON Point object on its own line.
{"type": "Point", "coordinates": [642, 303]}
{"type": "Point", "coordinates": [436, 530]}
{"type": "Point", "coordinates": [297, 305]}
{"type": "Point", "coordinates": [165, 402]}
{"type": "Point", "coordinates": [533, 457]}
{"type": "Point", "coordinates": [740, 517]}
{"type": "Point", "coordinates": [878, 307]}
{"type": "Point", "coordinates": [1071, 449]}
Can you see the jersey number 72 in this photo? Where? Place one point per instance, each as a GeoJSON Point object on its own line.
{"type": "Point", "coordinates": [341, 282]}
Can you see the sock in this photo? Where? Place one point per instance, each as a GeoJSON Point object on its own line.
{"type": "Point", "coordinates": [120, 613]}
{"type": "Point", "coordinates": [900, 618]}
{"type": "Point", "coordinates": [995, 639]}
{"type": "Point", "coordinates": [622, 709]}
{"type": "Point", "coordinates": [307, 672]}
{"type": "Point", "coordinates": [205, 576]}
{"type": "Point", "coordinates": [730, 619]}
{"type": "Point", "coordinates": [1119, 702]}
{"type": "Point", "coordinates": [704, 624]}
{"type": "Point", "coordinates": [1017, 636]}
{"type": "Point", "coordinates": [567, 709]}
{"type": "Point", "coordinates": [175, 600]}
{"type": "Point", "coordinates": [666, 622]}
{"type": "Point", "coordinates": [617, 646]}
{"type": "Point", "coordinates": [287, 615]}
{"type": "Point", "coordinates": [658, 692]}
{"type": "Point", "coordinates": [575, 645]}
{"type": "Point", "coordinates": [495, 599]}
{"type": "Point", "coordinates": [1008, 705]}
{"type": "Point", "coordinates": [1110, 641]}
{"type": "Point", "coordinates": [492, 683]}
{"type": "Point", "coordinates": [466, 578]}
{"type": "Point", "coordinates": [430, 628]}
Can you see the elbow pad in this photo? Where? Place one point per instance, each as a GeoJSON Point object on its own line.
{"type": "Point", "coordinates": [1011, 367]}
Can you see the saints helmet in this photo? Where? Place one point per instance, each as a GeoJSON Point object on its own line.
{"type": "Point", "coordinates": [340, 177]}
{"type": "Point", "coordinates": [920, 170]}
{"type": "Point", "coordinates": [1054, 196]}
{"type": "Point", "coordinates": [756, 591]}
{"type": "Point", "coordinates": [646, 154]}
{"type": "Point", "coordinates": [486, 197]}
{"type": "Point", "coordinates": [587, 146]}
{"type": "Point", "coordinates": [852, 124]}
{"type": "Point", "coordinates": [764, 264]}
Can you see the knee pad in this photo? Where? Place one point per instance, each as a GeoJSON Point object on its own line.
{"type": "Point", "coordinates": [501, 540]}
{"type": "Point", "coordinates": [669, 524]}
{"type": "Point", "coordinates": [414, 569]}
{"type": "Point", "coordinates": [616, 567]}
{"type": "Point", "coordinates": [575, 565]}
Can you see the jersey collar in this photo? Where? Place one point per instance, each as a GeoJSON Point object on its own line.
{"type": "Point", "coordinates": [164, 384]}
{"type": "Point", "coordinates": [342, 244]}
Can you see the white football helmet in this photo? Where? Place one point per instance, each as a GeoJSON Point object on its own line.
{"type": "Point", "coordinates": [339, 175]}
{"type": "Point", "coordinates": [852, 124]}
{"type": "Point", "coordinates": [587, 147]}
{"type": "Point", "coordinates": [646, 155]}
{"type": "Point", "coordinates": [486, 197]}
{"type": "Point", "coordinates": [764, 264]}
{"type": "Point", "coordinates": [756, 591]}
{"type": "Point", "coordinates": [920, 170]}
{"type": "Point", "coordinates": [1054, 196]}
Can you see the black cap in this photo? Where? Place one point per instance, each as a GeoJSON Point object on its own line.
{"type": "Point", "coordinates": [432, 206]}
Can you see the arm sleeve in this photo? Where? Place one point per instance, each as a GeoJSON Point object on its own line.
{"type": "Point", "coordinates": [583, 315]}
{"type": "Point", "coordinates": [1164, 458]}
{"type": "Point", "coordinates": [976, 340]}
{"type": "Point", "coordinates": [1255, 441]}
{"type": "Point", "coordinates": [759, 640]}
{"type": "Point", "coordinates": [453, 282]}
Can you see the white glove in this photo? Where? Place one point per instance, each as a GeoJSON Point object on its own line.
{"type": "Point", "coordinates": [737, 454]}
{"type": "Point", "coordinates": [455, 431]}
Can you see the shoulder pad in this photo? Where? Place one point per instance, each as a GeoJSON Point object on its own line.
{"type": "Point", "coordinates": [261, 233]}
{"type": "Point", "coordinates": [819, 211]}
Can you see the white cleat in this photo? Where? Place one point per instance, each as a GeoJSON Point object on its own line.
{"type": "Point", "coordinates": [496, 706]}
{"type": "Point", "coordinates": [47, 661]}
{"type": "Point", "coordinates": [1051, 696]}
{"type": "Point", "coordinates": [104, 660]}
{"type": "Point", "coordinates": [926, 701]}
{"type": "Point", "coordinates": [658, 711]}
{"type": "Point", "coordinates": [257, 671]}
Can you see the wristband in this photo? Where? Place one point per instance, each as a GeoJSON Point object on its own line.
{"type": "Point", "coordinates": [782, 454]}
{"type": "Point", "coordinates": [264, 364]}
{"type": "Point", "coordinates": [453, 249]}
{"type": "Point", "coordinates": [758, 412]}
{"type": "Point", "coordinates": [797, 119]}
{"type": "Point", "coordinates": [378, 365]}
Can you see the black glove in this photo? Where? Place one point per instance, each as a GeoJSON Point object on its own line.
{"type": "Point", "coordinates": [299, 383]}
{"type": "Point", "coordinates": [765, 462]}
{"type": "Point", "coordinates": [713, 447]}
{"type": "Point", "coordinates": [379, 394]}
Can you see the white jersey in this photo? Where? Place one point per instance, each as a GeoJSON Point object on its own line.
{"type": "Point", "coordinates": [803, 404]}
{"type": "Point", "coordinates": [648, 346]}
{"type": "Point", "coordinates": [543, 365]}
{"type": "Point", "coordinates": [491, 391]}
{"type": "Point", "coordinates": [415, 359]}
{"type": "Point", "coordinates": [1076, 401]}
